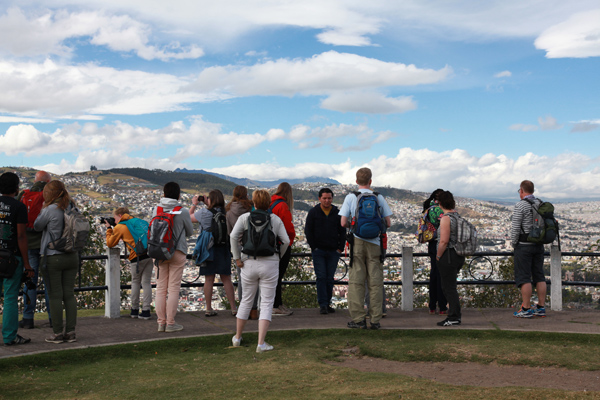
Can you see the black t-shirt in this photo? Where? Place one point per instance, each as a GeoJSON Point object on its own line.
{"type": "Point", "coordinates": [12, 212]}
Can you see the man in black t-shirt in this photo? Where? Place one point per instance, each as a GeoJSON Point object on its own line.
{"type": "Point", "coordinates": [13, 237]}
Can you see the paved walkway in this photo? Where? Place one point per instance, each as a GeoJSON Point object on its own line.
{"type": "Point", "coordinates": [100, 331]}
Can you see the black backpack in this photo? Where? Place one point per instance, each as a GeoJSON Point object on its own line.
{"type": "Point", "coordinates": [218, 227]}
{"type": "Point", "coordinates": [258, 239]}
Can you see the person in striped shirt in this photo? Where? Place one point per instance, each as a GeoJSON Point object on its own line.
{"type": "Point", "coordinates": [529, 257]}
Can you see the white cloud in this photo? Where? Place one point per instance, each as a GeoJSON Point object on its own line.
{"type": "Point", "coordinates": [325, 73]}
{"type": "Point", "coordinates": [503, 74]}
{"type": "Point", "coordinates": [45, 33]}
{"type": "Point", "coordinates": [549, 123]}
{"type": "Point", "coordinates": [50, 88]}
{"type": "Point", "coordinates": [53, 89]}
{"type": "Point", "coordinates": [577, 37]}
{"type": "Point", "coordinates": [201, 137]}
{"type": "Point", "coordinates": [13, 120]}
{"type": "Point", "coordinates": [105, 159]}
{"type": "Point", "coordinates": [368, 102]}
{"type": "Point", "coordinates": [488, 176]}
{"type": "Point", "coordinates": [585, 126]}
{"type": "Point", "coordinates": [340, 138]}
{"type": "Point", "coordinates": [523, 127]}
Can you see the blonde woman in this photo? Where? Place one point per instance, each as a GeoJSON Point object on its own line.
{"type": "Point", "coordinates": [257, 272]}
{"type": "Point", "coordinates": [60, 269]}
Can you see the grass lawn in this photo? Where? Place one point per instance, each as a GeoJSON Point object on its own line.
{"type": "Point", "coordinates": [207, 368]}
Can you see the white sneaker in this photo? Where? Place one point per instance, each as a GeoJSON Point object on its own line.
{"type": "Point", "coordinates": [236, 342]}
{"type": "Point", "coordinates": [261, 348]}
{"type": "Point", "coordinates": [161, 327]}
{"type": "Point", "coordinates": [173, 328]}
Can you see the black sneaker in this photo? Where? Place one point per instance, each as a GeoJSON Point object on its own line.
{"type": "Point", "coordinates": [18, 340]}
{"type": "Point", "coordinates": [323, 310]}
{"type": "Point", "coordinates": [449, 322]}
{"type": "Point", "coordinates": [26, 323]}
{"type": "Point", "coordinates": [145, 314]}
{"type": "Point", "coordinates": [330, 309]}
{"type": "Point", "coordinates": [375, 326]}
{"type": "Point", "coordinates": [357, 325]}
{"type": "Point", "coordinates": [134, 313]}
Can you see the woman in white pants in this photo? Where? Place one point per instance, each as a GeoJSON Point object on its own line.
{"type": "Point", "coordinates": [257, 272]}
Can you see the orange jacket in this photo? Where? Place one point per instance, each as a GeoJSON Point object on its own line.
{"type": "Point", "coordinates": [120, 231]}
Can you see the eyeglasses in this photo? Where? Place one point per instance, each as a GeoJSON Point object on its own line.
{"type": "Point", "coordinates": [519, 191]}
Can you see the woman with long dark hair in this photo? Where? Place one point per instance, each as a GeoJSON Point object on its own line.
{"type": "Point", "coordinates": [436, 294]}
{"type": "Point", "coordinates": [60, 269]}
{"type": "Point", "coordinates": [282, 204]}
{"type": "Point", "coordinates": [239, 204]}
{"type": "Point", "coordinates": [448, 261]}
{"type": "Point", "coordinates": [221, 263]}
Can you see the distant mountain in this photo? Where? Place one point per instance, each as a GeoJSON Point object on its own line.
{"type": "Point", "coordinates": [257, 183]}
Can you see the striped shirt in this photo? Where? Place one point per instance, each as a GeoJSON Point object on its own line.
{"type": "Point", "coordinates": [522, 220]}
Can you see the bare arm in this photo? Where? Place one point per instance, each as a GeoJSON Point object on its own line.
{"type": "Point", "coordinates": [344, 221]}
{"type": "Point", "coordinates": [444, 235]}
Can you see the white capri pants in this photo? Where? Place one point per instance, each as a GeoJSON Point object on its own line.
{"type": "Point", "coordinates": [256, 274]}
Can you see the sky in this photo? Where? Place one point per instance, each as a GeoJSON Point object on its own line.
{"type": "Point", "coordinates": [472, 97]}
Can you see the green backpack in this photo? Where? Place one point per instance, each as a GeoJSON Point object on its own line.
{"type": "Point", "coordinates": [545, 226]}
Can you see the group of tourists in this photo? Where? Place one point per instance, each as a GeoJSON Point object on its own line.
{"type": "Point", "coordinates": [256, 234]}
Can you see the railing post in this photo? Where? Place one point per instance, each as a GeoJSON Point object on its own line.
{"type": "Point", "coordinates": [555, 279]}
{"type": "Point", "coordinates": [113, 281]}
{"type": "Point", "coordinates": [407, 279]}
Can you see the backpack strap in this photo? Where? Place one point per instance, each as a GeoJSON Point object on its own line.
{"type": "Point", "coordinates": [275, 203]}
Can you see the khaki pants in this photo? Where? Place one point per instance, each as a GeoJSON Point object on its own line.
{"type": "Point", "coordinates": [167, 288]}
{"type": "Point", "coordinates": [365, 266]}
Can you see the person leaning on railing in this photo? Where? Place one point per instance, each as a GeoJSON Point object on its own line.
{"type": "Point", "coordinates": [141, 266]}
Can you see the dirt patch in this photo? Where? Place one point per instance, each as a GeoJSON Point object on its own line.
{"type": "Point", "coordinates": [473, 374]}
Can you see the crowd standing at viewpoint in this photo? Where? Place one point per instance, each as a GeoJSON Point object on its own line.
{"type": "Point", "coordinates": [256, 235]}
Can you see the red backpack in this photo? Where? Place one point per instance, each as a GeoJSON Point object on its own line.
{"type": "Point", "coordinates": [161, 242]}
{"type": "Point", "coordinates": [34, 202]}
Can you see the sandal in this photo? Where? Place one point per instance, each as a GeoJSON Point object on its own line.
{"type": "Point", "coordinates": [234, 312]}
{"type": "Point", "coordinates": [210, 313]}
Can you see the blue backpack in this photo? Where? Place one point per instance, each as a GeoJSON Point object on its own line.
{"type": "Point", "coordinates": [139, 230]}
{"type": "Point", "coordinates": [367, 222]}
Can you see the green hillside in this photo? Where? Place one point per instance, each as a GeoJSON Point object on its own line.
{"type": "Point", "coordinates": [190, 182]}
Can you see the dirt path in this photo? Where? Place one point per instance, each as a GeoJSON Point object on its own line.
{"type": "Point", "coordinates": [473, 374]}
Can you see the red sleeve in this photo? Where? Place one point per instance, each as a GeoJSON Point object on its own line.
{"type": "Point", "coordinates": [283, 212]}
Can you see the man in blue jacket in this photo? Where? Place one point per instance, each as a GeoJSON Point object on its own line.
{"type": "Point", "coordinates": [326, 238]}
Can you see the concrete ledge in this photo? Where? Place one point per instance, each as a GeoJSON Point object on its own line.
{"type": "Point", "coordinates": [102, 331]}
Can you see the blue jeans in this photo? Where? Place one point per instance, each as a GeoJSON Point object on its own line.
{"type": "Point", "coordinates": [29, 309]}
{"type": "Point", "coordinates": [10, 313]}
{"type": "Point", "coordinates": [325, 263]}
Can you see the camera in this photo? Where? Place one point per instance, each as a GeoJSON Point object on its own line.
{"type": "Point", "coordinates": [201, 198]}
{"type": "Point", "coordinates": [110, 220]}
{"type": "Point", "coordinates": [27, 281]}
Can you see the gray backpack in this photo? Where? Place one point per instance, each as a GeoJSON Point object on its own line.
{"type": "Point", "coordinates": [75, 232]}
{"type": "Point", "coordinates": [465, 238]}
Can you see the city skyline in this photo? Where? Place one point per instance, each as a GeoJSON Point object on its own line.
{"type": "Point", "coordinates": [470, 97]}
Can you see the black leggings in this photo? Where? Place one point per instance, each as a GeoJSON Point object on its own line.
{"type": "Point", "coordinates": [283, 265]}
